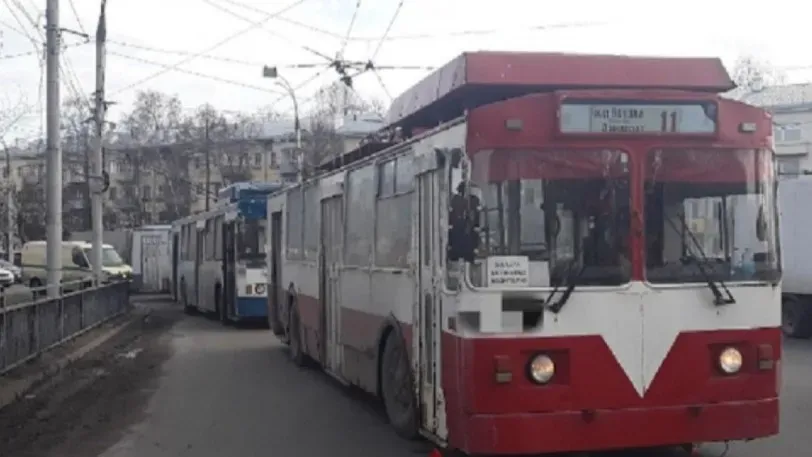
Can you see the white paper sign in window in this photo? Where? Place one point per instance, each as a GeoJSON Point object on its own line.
{"type": "Point", "coordinates": [508, 271]}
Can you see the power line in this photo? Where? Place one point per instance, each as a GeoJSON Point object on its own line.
{"type": "Point", "coordinates": [287, 20]}
{"type": "Point", "coordinates": [195, 73]}
{"type": "Point", "coordinates": [209, 49]}
{"type": "Point", "coordinates": [247, 63]}
{"type": "Point", "coordinates": [76, 15]}
{"type": "Point", "coordinates": [349, 29]}
{"type": "Point", "coordinates": [423, 36]}
{"type": "Point", "coordinates": [270, 32]}
{"type": "Point", "coordinates": [386, 33]}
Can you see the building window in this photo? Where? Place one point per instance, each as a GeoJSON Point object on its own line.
{"type": "Point", "coordinates": [113, 194]}
{"type": "Point", "coordinates": [789, 166]}
{"type": "Point", "coordinates": [258, 159]}
{"type": "Point", "coordinates": [146, 193]}
{"type": "Point", "coordinates": [788, 133]}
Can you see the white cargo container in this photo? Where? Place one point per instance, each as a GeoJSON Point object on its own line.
{"type": "Point", "coordinates": [795, 210]}
{"type": "Point", "coordinates": [152, 258]}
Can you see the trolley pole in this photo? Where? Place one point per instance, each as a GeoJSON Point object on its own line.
{"type": "Point", "coordinates": [53, 150]}
{"type": "Point", "coordinates": [96, 181]}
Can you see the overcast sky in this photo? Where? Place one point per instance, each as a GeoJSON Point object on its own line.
{"type": "Point", "coordinates": [425, 33]}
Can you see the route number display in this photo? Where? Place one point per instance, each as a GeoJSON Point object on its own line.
{"type": "Point", "coordinates": [638, 118]}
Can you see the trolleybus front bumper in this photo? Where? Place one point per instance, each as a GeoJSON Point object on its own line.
{"type": "Point", "coordinates": [517, 434]}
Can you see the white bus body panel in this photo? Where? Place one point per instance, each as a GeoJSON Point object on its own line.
{"type": "Point", "coordinates": [794, 196]}
{"type": "Point", "coordinates": [152, 258]}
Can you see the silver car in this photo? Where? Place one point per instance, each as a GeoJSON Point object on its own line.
{"type": "Point", "coordinates": [14, 269]}
{"type": "Point", "coordinates": [6, 278]}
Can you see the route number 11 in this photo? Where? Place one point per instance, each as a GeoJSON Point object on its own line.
{"type": "Point", "coordinates": [669, 121]}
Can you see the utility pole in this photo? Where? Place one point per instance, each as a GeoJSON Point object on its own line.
{"type": "Point", "coordinates": [97, 190]}
{"type": "Point", "coordinates": [53, 150]}
{"type": "Point", "coordinates": [9, 208]}
{"type": "Point", "coordinates": [208, 163]}
{"type": "Point", "coordinates": [267, 159]}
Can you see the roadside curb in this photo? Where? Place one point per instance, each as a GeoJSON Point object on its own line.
{"type": "Point", "coordinates": [12, 390]}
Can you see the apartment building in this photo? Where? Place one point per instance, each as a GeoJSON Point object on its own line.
{"type": "Point", "coordinates": [791, 107]}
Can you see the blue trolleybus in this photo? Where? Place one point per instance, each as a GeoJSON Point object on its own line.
{"type": "Point", "coordinates": [219, 262]}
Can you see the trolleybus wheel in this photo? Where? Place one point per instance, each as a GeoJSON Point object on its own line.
{"type": "Point", "coordinates": [274, 323]}
{"type": "Point", "coordinates": [184, 300]}
{"type": "Point", "coordinates": [220, 306]}
{"type": "Point", "coordinates": [297, 355]}
{"type": "Point", "coordinates": [396, 388]}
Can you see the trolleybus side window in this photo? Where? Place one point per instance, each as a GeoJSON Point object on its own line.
{"type": "Point", "coordinates": [393, 234]}
{"type": "Point", "coordinates": [566, 211]}
{"type": "Point", "coordinates": [293, 230]}
{"type": "Point", "coordinates": [360, 216]}
{"type": "Point", "coordinates": [311, 222]}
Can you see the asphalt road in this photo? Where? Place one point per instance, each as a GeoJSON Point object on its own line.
{"type": "Point", "coordinates": [189, 387]}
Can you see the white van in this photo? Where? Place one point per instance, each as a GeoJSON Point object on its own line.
{"type": "Point", "coordinates": [75, 263]}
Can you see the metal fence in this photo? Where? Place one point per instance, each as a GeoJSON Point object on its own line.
{"type": "Point", "coordinates": [29, 329]}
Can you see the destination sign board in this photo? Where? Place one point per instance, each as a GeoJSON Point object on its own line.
{"type": "Point", "coordinates": [614, 118]}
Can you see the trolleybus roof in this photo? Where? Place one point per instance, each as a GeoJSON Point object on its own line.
{"type": "Point", "coordinates": [478, 78]}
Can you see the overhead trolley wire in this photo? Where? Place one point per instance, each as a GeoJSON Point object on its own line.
{"type": "Point", "coordinates": [349, 29]}
{"type": "Point", "coordinates": [423, 36]}
{"type": "Point", "coordinates": [76, 15]}
{"type": "Point", "coordinates": [247, 63]}
{"type": "Point", "coordinates": [371, 64]}
{"type": "Point", "coordinates": [386, 32]}
{"type": "Point", "coordinates": [209, 49]}
{"type": "Point", "coordinates": [194, 73]}
{"type": "Point", "coordinates": [270, 32]}
{"type": "Point", "coordinates": [303, 25]}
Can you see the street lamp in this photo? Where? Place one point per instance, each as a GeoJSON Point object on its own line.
{"type": "Point", "coordinates": [273, 73]}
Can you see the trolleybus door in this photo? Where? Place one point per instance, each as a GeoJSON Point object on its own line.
{"type": "Point", "coordinates": [229, 266]}
{"type": "Point", "coordinates": [427, 345]}
{"type": "Point", "coordinates": [198, 246]}
{"type": "Point", "coordinates": [175, 260]}
{"type": "Point", "coordinates": [332, 236]}
{"type": "Point", "coordinates": [275, 279]}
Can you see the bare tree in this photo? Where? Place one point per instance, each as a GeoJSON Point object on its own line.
{"type": "Point", "coordinates": [332, 103]}
{"type": "Point", "coordinates": [76, 136]}
{"type": "Point", "coordinates": [153, 126]}
{"type": "Point", "coordinates": [752, 74]}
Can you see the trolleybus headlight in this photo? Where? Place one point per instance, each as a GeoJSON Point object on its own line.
{"type": "Point", "coordinates": [730, 360]}
{"type": "Point", "coordinates": [541, 369]}
{"type": "Point", "coordinates": [260, 288]}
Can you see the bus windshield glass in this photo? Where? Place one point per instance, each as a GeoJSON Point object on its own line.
{"type": "Point", "coordinates": [251, 240]}
{"type": "Point", "coordinates": [714, 206]}
{"type": "Point", "coordinates": [566, 211]}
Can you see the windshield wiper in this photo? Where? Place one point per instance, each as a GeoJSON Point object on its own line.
{"type": "Point", "coordinates": [719, 299]}
{"type": "Point", "coordinates": [571, 281]}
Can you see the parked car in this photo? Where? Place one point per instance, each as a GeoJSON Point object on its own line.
{"type": "Point", "coordinates": [6, 278]}
{"type": "Point", "coordinates": [14, 269]}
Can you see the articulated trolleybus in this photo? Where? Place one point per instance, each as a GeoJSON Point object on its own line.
{"type": "Point", "coordinates": [583, 247]}
{"type": "Point", "coordinates": [220, 255]}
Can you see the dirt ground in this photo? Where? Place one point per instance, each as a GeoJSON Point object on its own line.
{"type": "Point", "coordinates": [84, 409]}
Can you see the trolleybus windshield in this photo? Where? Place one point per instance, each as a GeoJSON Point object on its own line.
{"type": "Point", "coordinates": [251, 240]}
{"type": "Point", "coordinates": [717, 206]}
{"type": "Point", "coordinates": [565, 210]}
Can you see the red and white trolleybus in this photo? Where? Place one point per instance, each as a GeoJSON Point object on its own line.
{"type": "Point", "coordinates": [547, 253]}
